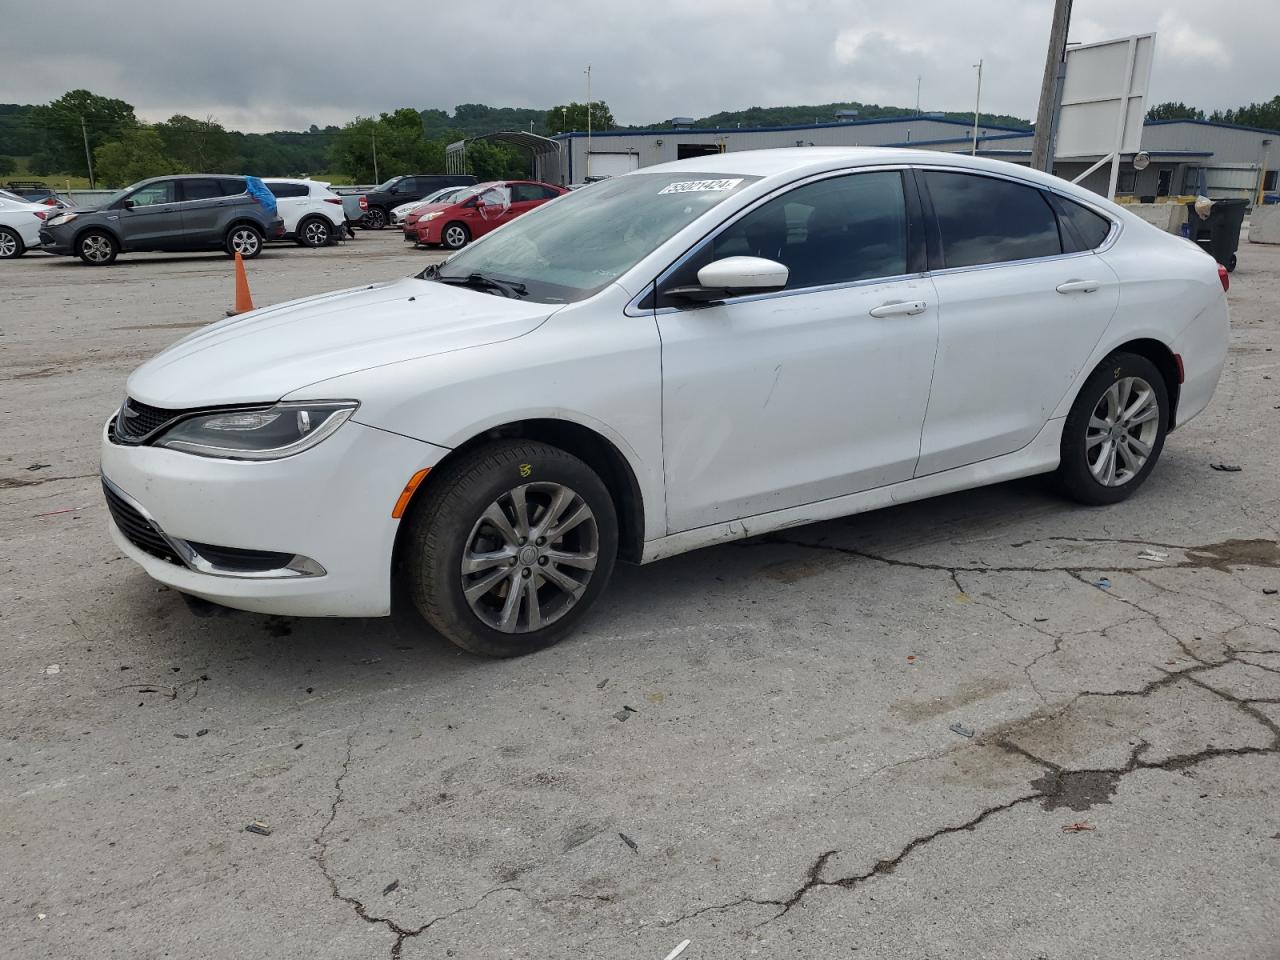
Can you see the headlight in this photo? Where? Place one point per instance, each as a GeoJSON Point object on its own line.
{"type": "Point", "coordinates": [270, 434]}
{"type": "Point", "coordinates": [431, 216]}
{"type": "Point", "coordinates": [62, 218]}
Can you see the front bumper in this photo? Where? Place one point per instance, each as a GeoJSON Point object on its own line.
{"type": "Point", "coordinates": [330, 505]}
{"type": "Point", "coordinates": [51, 242]}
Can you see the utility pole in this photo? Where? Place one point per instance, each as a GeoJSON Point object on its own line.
{"type": "Point", "coordinates": [1055, 66]}
{"type": "Point", "coordinates": [587, 176]}
{"type": "Point", "coordinates": [918, 79]}
{"type": "Point", "coordinates": [88, 157]}
{"type": "Point", "coordinates": [373, 137]}
{"type": "Point", "coordinates": [977, 105]}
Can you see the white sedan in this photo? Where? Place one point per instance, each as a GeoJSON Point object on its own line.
{"type": "Point", "coordinates": [688, 354]}
{"type": "Point", "coordinates": [440, 196]}
{"type": "Point", "coordinates": [20, 224]}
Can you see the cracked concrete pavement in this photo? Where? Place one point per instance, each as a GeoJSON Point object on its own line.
{"type": "Point", "coordinates": [785, 782]}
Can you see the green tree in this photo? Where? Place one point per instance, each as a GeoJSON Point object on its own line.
{"type": "Point", "coordinates": [62, 133]}
{"type": "Point", "coordinates": [398, 139]}
{"type": "Point", "coordinates": [1174, 111]}
{"type": "Point", "coordinates": [7, 166]}
{"type": "Point", "coordinates": [496, 161]}
{"type": "Point", "coordinates": [573, 116]}
{"type": "Point", "coordinates": [1265, 115]}
{"type": "Point", "coordinates": [201, 145]}
{"type": "Point", "coordinates": [137, 155]}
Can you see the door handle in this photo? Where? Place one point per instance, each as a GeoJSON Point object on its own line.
{"type": "Point", "coordinates": [1078, 286]}
{"type": "Point", "coordinates": [899, 308]}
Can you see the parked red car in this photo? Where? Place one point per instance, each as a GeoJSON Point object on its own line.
{"type": "Point", "coordinates": [486, 207]}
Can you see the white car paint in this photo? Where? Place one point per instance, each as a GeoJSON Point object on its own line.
{"type": "Point", "coordinates": [759, 413]}
{"type": "Point", "coordinates": [24, 219]}
{"type": "Point", "coordinates": [319, 201]}
{"type": "Point", "coordinates": [399, 213]}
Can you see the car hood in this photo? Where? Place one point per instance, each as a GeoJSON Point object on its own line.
{"type": "Point", "coordinates": [430, 208]}
{"type": "Point", "coordinates": [261, 356]}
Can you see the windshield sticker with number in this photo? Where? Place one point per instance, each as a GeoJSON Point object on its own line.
{"type": "Point", "coordinates": [699, 186]}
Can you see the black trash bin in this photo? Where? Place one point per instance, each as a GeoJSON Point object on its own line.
{"type": "Point", "coordinates": [1220, 233]}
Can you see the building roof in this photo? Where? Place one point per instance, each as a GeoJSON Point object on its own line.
{"type": "Point", "coordinates": [1211, 123]}
{"type": "Point", "coordinates": [659, 131]}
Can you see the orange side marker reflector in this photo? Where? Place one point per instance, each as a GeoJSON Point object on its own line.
{"type": "Point", "coordinates": [407, 494]}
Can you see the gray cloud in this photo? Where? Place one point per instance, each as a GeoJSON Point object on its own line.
{"type": "Point", "coordinates": [261, 66]}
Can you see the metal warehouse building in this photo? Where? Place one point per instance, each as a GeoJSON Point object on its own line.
{"type": "Point", "coordinates": [1227, 160]}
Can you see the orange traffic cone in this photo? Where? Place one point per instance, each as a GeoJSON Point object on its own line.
{"type": "Point", "coordinates": [244, 302]}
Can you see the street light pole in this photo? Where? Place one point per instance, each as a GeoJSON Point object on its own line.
{"type": "Point", "coordinates": [1050, 88]}
{"type": "Point", "coordinates": [977, 106]}
{"type": "Point", "coordinates": [588, 173]}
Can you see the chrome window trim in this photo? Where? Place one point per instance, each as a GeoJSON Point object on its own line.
{"type": "Point", "coordinates": [299, 566]}
{"type": "Point", "coordinates": [633, 309]}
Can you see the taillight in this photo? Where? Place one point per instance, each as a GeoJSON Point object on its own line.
{"type": "Point", "coordinates": [1224, 277]}
{"type": "Point", "coordinates": [336, 200]}
{"type": "Point", "coordinates": [40, 214]}
{"type": "Point", "coordinates": [364, 204]}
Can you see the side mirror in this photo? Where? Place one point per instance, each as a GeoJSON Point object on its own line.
{"type": "Point", "coordinates": [127, 204]}
{"type": "Point", "coordinates": [734, 276]}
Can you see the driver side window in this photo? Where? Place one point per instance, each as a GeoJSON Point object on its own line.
{"type": "Point", "coordinates": [153, 193]}
{"type": "Point", "coordinates": [837, 230]}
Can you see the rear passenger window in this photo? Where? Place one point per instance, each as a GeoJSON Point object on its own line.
{"type": "Point", "coordinates": [201, 189]}
{"type": "Point", "coordinates": [985, 220]}
{"type": "Point", "coordinates": [1089, 229]}
{"type": "Point", "coordinates": [282, 191]}
{"type": "Point", "coordinates": [232, 186]}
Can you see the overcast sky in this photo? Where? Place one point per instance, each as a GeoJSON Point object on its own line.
{"type": "Point", "coordinates": [323, 62]}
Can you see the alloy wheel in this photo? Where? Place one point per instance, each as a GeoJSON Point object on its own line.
{"type": "Point", "coordinates": [244, 242]}
{"type": "Point", "coordinates": [315, 234]}
{"type": "Point", "coordinates": [455, 237]}
{"type": "Point", "coordinates": [529, 558]}
{"type": "Point", "coordinates": [1122, 431]}
{"type": "Point", "coordinates": [96, 248]}
{"type": "Point", "coordinates": [8, 245]}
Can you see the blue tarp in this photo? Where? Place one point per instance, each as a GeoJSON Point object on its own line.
{"type": "Point", "coordinates": [258, 190]}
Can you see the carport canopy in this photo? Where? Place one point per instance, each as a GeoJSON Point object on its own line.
{"type": "Point", "coordinates": [541, 148]}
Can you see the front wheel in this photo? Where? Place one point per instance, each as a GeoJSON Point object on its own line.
{"type": "Point", "coordinates": [1115, 431]}
{"type": "Point", "coordinates": [244, 240]}
{"type": "Point", "coordinates": [510, 547]}
{"type": "Point", "coordinates": [455, 236]}
{"type": "Point", "coordinates": [375, 219]}
{"type": "Point", "coordinates": [97, 248]}
{"type": "Point", "coordinates": [11, 245]}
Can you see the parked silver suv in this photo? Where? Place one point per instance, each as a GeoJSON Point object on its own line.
{"type": "Point", "coordinates": [193, 212]}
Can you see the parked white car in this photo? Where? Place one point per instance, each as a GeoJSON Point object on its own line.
{"type": "Point", "coordinates": [692, 353]}
{"type": "Point", "coordinates": [440, 196]}
{"type": "Point", "coordinates": [20, 224]}
{"type": "Point", "coordinates": [312, 213]}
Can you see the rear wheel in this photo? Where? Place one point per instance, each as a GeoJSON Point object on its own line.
{"type": "Point", "coordinates": [97, 248]}
{"type": "Point", "coordinates": [511, 547]}
{"type": "Point", "coordinates": [375, 219]}
{"type": "Point", "coordinates": [11, 244]}
{"type": "Point", "coordinates": [455, 236]}
{"type": "Point", "coordinates": [315, 232]}
{"type": "Point", "coordinates": [245, 240]}
{"type": "Point", "coordinates": [1115, 431]}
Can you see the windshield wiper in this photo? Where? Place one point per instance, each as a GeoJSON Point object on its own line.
{"type": "Point", "coordinates": [480, 281]}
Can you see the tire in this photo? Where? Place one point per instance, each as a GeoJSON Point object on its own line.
{"type": "Point", "coordinates": [1102, 459]}
{"type": "Point", "coordinates": [374, 219]}
{"type": "Point", "coordinates": [452, 522]}
{"type": "Point", "coordinates": [244, 239]}
{"type": "Point", "coordinates": [97, 248]}
{"type": "Point", "coordinates": [11, 245]}
{"type": "Point", "coordinates": [1231, 264]}
{"type": "Point", "coordinates": [455, 235]}
{"type": "Point", "coordinates": [315, 232]}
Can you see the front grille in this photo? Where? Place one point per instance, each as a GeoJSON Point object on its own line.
{"type": "Point", "coordinates": [241, 560]}
{"type": "Point", "coordinates": [136, 528]}
{"type": "Point", "coordinates": [137, 420]}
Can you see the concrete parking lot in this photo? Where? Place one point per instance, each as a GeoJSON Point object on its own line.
{"type": "Point", "coordinates": [992, 725]}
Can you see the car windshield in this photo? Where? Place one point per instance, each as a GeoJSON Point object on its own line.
{"type": "Point", "coordinates": [121, 194]}
{"type": "Point", "coordinates": [388, 185]}
{"type": "Point", "coordinates": [581, 242]}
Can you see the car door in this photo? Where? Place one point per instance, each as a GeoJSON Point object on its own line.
{"type": "Point", "coordinates": [1020, 311]}
{"type": "Point", "coordinates": [819, 390]}
{"type": "Point", "coordinates": [292, 201]}
{"type": "Point", "coordinates": [204, 200]}
{"type": "Point", "coordinates": [151, 217]}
